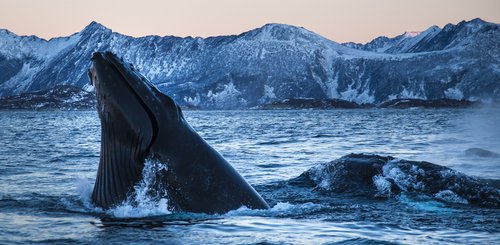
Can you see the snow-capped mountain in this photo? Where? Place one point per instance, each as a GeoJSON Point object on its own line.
{"type": "Point", "coordinates": [432, 39]}
{"type": "Point", "coordinates": [65, 97]}
{"type": "Point", "coordinates": [399, 44]}
{"type": "Point", "coordinates": [270, 63]}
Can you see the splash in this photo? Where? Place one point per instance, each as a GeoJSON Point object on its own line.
{"type": "Point", "coordinates": [450, 196]}
{"type": "Point", "coordinates": [82, 202]}
{"type": "Point", "coordinates": [150, 196]}
{"type": "Point", "coordinates": [383, 185]}
{"type": "Point", "coordinates": [84, 189]}
{"type": "Point", "coordinates": [404, 180]}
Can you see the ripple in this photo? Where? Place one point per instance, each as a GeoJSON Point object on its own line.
{"type": "Point", "coordinates": [48, 164]}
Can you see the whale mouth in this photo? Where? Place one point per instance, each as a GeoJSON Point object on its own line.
{"type": "Point", "coordinates": [121, 74]}
{"type": "Point", "coordinates": [128, 127]}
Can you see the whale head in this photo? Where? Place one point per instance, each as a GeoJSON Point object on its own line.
{"type": "Point", "coordinates": [130, 109]}
{"type": "Point", "coordinates": [138, 122]}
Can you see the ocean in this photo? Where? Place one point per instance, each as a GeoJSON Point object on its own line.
{"type": "Point", "coordinates": [49, 160]}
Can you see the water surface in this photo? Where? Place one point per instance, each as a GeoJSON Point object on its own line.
{"type": "Point", "coordinates": [48, 163]}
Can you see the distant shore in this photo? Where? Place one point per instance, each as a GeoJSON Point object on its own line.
{"type": "Point", "coordinates": [66, 97]}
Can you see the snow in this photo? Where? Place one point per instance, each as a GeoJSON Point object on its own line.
{"type": "Point", "coordinates": [15, 46]}
{"type": "Point", "coordinates": [263, 53]}
{"type": "Point", "coordinates": [413, 38]}
{"type": "Point", "coordinates": [227, 98]}
{"type": "Point", "coordinates": [88, 88]}
{"type": "Point", "coordinates": [411, 33]}
{"type": "Point", "coordinates": [411, 94]}
{"type": "Point", "coordinates": [194, 101]}
{"type": "Point", "coordinates": [270, 63]}
{"type": "Point", "coordinates": [268, 94]}
{"type": "Point", "coordinates": [454, 93]}
{"type": "Point", "coordinates": [74, 98]}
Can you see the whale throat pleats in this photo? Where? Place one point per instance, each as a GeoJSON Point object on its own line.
{"type": "Point", "coordinates": [121, 164]}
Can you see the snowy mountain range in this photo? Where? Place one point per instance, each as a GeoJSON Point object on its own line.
{"type": "Point", "coordinates": [271, 63]}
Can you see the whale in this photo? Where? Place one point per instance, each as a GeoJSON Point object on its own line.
{"type": "Point", "coordinates": [138, 124]}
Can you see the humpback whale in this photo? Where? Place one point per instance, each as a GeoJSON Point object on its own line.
{"type": "Point", "coordinates": [138, 122]}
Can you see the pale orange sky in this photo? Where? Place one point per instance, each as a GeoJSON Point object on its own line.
{"type": "Point", "coordinates": [341, 21]}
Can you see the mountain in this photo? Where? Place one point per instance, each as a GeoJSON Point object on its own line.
{"type": "Point", "coordinates": [433, 39]}
{"type": "Point", "coordinates": [269, 64]}
{"type": "Point", "coordinates": [403, 43]}
{"type": "Point", "coordinates": [61, 97]}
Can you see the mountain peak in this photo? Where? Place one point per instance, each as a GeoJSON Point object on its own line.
{"type": "Point", "coordinates": [95, 26]}
{"type": "Point", "coordinates": [477, 21]}
{"type": "Point", "coordinates": [278, 25]}
{"type": "Point", "coordinates": [412, 34]}
{"type": "Point", "coordinates": [275, 31]}
{"type": "Point", "coordinates": [433, 28]}
{"type": "Point", "coordinates": [6, 32]}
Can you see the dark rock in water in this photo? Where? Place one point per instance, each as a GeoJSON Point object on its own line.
{"type": "Point", "coordinates": [380, 176]}
{"type": "Point", "coordinates": [63, 97]}
{"type": "Point", "coordinates": [441, 103]}
{"type": "Point", "coordinates": [478, 152]}
{"type": "Point", "coordinates": [189, 108]}
{"type": "Point", "coordinates": [313, 104]}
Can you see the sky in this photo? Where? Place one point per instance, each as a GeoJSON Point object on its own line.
{"type": "Point", "coordinates": [341, 21]}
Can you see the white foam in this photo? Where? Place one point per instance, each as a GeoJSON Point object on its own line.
{"type": "Point", "coordinates": [383, 186]}
{"type": "Point", "coordinates": [280, 209]}
{"type": "Point", "coordinates": [450, 196]}
{"type": "Point", "coordinates": [404, 180]}
{"type": "Point", "coordinates": [321, 176]}
{"type": "Point", "coordinates": [143, 209]}
{"type": "Point", "coordinates": [147, 199]}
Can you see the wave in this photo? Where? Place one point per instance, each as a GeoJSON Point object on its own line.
{"type": "Point", "coordinates": [479, 152]}
{"type": "Point", "coordinates": [355, 175]}
{"type": "Point", "coordinates": [385, 177]}
{"type": "Point", "coordinates": [368, 176]}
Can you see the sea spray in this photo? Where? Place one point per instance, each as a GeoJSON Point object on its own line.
{"type": "Point", "coordinates": [150, 196]}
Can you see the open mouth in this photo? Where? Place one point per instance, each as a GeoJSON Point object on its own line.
{"type": "Point", "coordinates": [130, 78]}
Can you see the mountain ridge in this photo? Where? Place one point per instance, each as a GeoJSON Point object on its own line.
{"type": "Point", "coordinates": [270, 63]}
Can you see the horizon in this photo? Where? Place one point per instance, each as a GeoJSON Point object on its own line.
{"type": "Point", "coordinates": [339, 21]}
{"type": "Point", "coordinates": [417, 32]}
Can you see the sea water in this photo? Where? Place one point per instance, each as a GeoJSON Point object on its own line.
{"type": "Point", "coordinates": [49, 159]}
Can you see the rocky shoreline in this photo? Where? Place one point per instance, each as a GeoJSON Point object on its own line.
{"type": "Point", "coordinates": [294, 104]}
{"type": "Point", "coordinates": [67, 97]}
{"type": "Point", "coordinates": [62, 97]}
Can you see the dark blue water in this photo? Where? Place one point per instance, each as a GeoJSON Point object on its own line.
{"type": "Point", "coordinates": [48, 163]}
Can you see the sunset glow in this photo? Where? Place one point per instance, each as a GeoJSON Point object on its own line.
{"type": "Point", "coordinates": [341, 21]}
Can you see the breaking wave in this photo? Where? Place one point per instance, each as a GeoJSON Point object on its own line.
{"type": "Point", "coordinates": [379, 176]}
{"type": "Point", "coordinates": [357, 175]}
